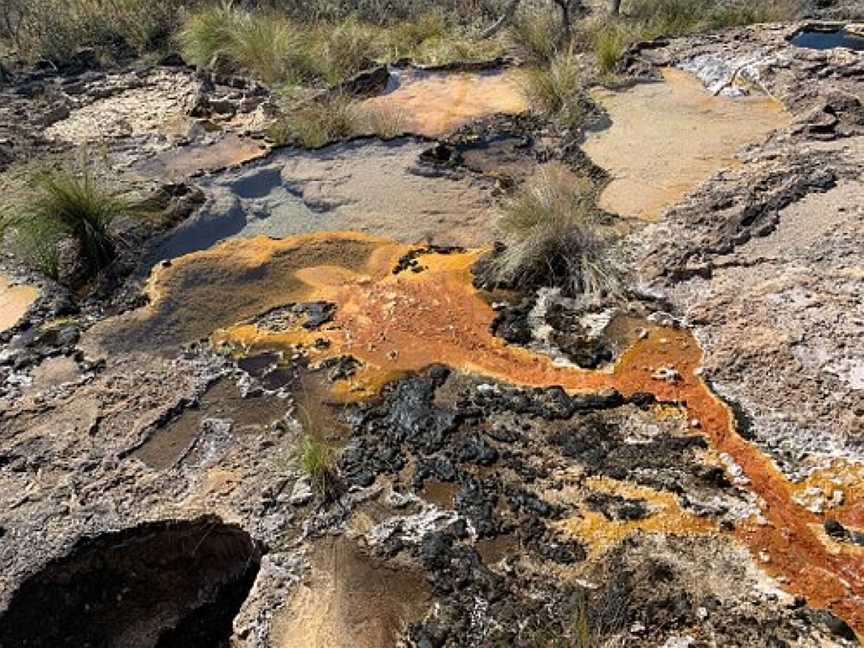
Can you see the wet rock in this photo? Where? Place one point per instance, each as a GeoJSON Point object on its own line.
{"type": "Point", "coordinates": [511, 323]}
{"type": "Point", "coordinates": [833, 623]}
{"type": "Point", "coordinates": [615, 507]}
{"type": "Point", "coordinates": [600, 448]}
{"type": "Point", "coordinates": [477, 501]}
{"type": "Point", "coordinates": [587, 350]}
{"type": "Point", "coordinates": [546, 545]}
{"type": "Point", "coordinates": [411, 260]}
{"type": "Point", "coordinates": [834, 529]}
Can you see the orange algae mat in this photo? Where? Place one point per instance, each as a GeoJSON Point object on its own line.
{"type": "Point", "coordinates": [436, 103]}
{"type": "Point", "coordinates": [400, 322]}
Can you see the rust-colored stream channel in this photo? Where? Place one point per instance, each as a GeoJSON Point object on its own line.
{"type": "Point", "coordinates": [400, 322]}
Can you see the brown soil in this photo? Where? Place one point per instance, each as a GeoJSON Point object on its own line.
{"type": "Point", "coordinates": [350, 601]}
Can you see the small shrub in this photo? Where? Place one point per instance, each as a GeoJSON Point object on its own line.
{"type": "Point", "coordinates": [276, 51]}
{"type": "Point", "coordinates": [549, 229]}
{"type": "Point", "coordinates": [609, 43]}
{"type": "Point", "coordinates": [341, 50]}
{"type": "Point", "coordinates": [536, 33]}
{"type": "Point", "coordinates": [671, 17]}
{"type": "Point", "coordinates": [440, 51]}
{"type": "Point", "coordinates": [317, 123]}
{"type": "Point", "coordinates": [407, 35]}
{"type": "Point", "coordinates": [756, 12]}
{"type": "Point", "coordinates": [556, 89]}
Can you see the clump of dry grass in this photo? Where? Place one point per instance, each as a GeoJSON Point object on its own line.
{"type": "Point", "coordinates": [550, 232]}
{"type": "Point", "coordinates": [280, 49]}
{"type": "Point", "coordinates": [556, 89]}
{"type": "Point", "coordinates": [536, 33]}
{"type": "Point", "coordinates": [55, 30]}
{"type": "Point", "coordinates": [387, 122]}
{"type": "Point", "coordinates": [317, 123]}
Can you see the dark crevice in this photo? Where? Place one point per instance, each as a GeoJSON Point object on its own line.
{"type": "Point", "coordinates": [165, 584]}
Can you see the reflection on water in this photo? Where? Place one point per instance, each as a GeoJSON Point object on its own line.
{"type": "Point", "coordinates": [820, 39]}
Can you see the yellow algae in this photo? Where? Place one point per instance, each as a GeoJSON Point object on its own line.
{"type": "Point", "coordinates": [668, 138]}
{"type": "Point", "coordinates": [435, 103]}
{"type": "Point", "coordinates": [14, 302]}
{"type": "Point", "coordinates": [839, 489]}
{"type": "Point", "coordinates": [666, 517]}
{"type": "Point", "coordinates": [196, 294]}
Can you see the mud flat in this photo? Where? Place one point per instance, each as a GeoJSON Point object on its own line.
{"type": "Point", "coordinates": [14, 302]}
{"type": "Point", "coordinates": [437, 103]}
{"type": "Point", "coordinates": [665, 139]}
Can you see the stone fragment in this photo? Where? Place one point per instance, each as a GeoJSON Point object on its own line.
{"type": "Point", "coordinates": [302, 493]}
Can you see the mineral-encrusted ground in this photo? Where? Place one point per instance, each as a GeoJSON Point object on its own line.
{"type": "Point", "coordinates": [471, 509]}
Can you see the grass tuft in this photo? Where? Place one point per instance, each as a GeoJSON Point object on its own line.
{"type": "Point", "coordinates": [69, 205]}
{"type": "Point", "coordinates": [387, 122]}
{"type": "Point", "coordinates": [556, 90]}
{"type": "Point", "coordinates": [536, 33]}
{"type": "Point", "coordinates": [317, 123]}
{"type": "Point", "coordinates": [38, 242]}
{"type": "Point", "coordinates": [317, 461]}
{"type": "Point", "coordinates": [280, 49]}
{"type": "Point", "coordinates": [549, 230]}
{"type": "Point", "coordinates": [54, 30]}
{"type": "Point", "coordinates": [609, 44]}
{"type": "Point", "coordinates": [206, 34]}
